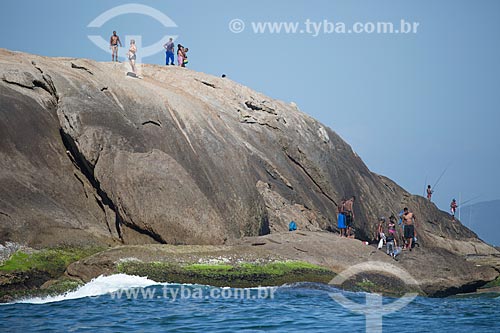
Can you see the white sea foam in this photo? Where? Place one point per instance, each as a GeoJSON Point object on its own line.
{"type": "Point", "coordinates": [99, 286]}
{"type": "Point", "coordinates": [109, 285]}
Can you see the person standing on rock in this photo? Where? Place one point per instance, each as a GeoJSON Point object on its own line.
{"type": "Point", "coordinates": [185, 61]}
{"type": "Point", "coordinates": [380, 233]}
{"type": "Point", "coordinates": [409, 221]}
{"type": "Point", "coordinates": [349, 214]}
{"type": "Point", "coordinates": [132, 55]}
{"type": "Point", "coordinates": [169, 54]}
{"type": "Point", "coordinates": [180, 55]}
{"type": "Point", "coordinates": [391, 242]}
{"type": "Point", "coordinates": [453, 208]}
{"type": "Point", "coordinates": [341, 218]}
{"type": "Point", "coordinates": [429, 192]}
{"type": "Point", "coordinates": [113, 45]}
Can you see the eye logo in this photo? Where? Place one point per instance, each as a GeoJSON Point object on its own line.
{"type": "Point", "coordinates": [132, 8]}
{"type": "Point", "coordinates": [373, 309]}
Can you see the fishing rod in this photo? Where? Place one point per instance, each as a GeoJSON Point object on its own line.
{"type": "Point", "coordinates": [425, 187]}
{"type": "Point", "coordinates": [441, 176]}
{"type": "Point", "coordinates": [476, 197]}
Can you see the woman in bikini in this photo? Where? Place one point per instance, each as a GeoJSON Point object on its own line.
{"type": "Point", "coordinates": [131, 54]}
{"type": "Point", "coordinates": [180, 55]}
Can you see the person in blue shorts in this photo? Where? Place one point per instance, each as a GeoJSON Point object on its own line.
{"type": "Point", "coordinates": [341, 218]}
{"type": "Point", "coordinates": [169, 52]}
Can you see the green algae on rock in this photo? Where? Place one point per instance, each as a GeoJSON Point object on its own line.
{"type": "Point", "coordinates": [40, 272]}
{"type": "Point", "coordinates": [224, 275]}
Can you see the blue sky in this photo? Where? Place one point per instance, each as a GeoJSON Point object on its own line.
{"type": "Point", "coordinates": [409, 104]}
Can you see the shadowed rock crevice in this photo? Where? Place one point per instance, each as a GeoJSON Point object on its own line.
{"type": "Point", "coordinates": [20, 78]}
{"type": "Point", "coordinates": [211, 85]}
{"type": "Point", "coordinates": [36, 66]}
{"type": "Point", "coordinates": [81, 182]}
{"type": "Point", "coordinates": [301, 167]}
{"type": "Point", "coordinates": [103, 199]}
{"type": "Point", "coordinates": [264, 225]}
{"type": "Point", "coordinates": [152, 122]}
{"type": "Point", "coordinates": [29, 81]}
{"type": "Point", "coordinates": [82, 68]}
{"type": "Point", "coordinates": [42, 85]}
{"type": "Point", "coordinates": [260, 106]}
{"type": "Point", "coordinates": [5, 214]}
{"type": "Point", "coordinates": [87, 170]}
{"type": "Point", "coordinates": [247, 117]}
{"type": "Point", "coordinates": [146, 232]}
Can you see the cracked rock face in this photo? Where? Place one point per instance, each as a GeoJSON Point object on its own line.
{"type": "Point", "coordinates": [89, 155]}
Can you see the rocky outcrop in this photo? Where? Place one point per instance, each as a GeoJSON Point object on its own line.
{"type": "Point", "coordinates": [436, 272]}
{"type": "Point", "coordinates": [92, 156]}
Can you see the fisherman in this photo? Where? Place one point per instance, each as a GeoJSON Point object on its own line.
{"type": "Point", "coordinates": [113, 45]}
{"type": "Point", "coordinates": [169, 52]}
{"type": "Point", "coordinates": [349, 214]}
{"type": "Point", "coordinates": [341, 218]}
{"type": "Point", "coordinates": [409, 221]}
{"type": "Point", "coordinates": [429, 192]}
{"type": "Point", "coordinates": [453, 208]}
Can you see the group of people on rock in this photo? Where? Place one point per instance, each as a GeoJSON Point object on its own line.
{"type": "Point", "coordinates": [389, 234]}
{"type": "Point", "coordinates": [182, 59]}
{"type": "Point", "coordinates": [114, 41]}
{"type": "Point", "coordinates": [393, 232]}
{"type": "Point", "coordinates": [346, 217]}
{"type": "Point", "coordinates": [386, 233]}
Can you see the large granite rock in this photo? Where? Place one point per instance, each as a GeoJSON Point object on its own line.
{"type": "Point", "coordinates": [90, 155]}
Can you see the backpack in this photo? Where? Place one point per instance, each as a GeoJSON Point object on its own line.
{"type": "Point", "coordinates": [292, 226]}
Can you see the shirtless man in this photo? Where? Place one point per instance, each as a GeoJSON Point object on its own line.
{"type": "Point", "coordinates": [349, 214]}
{"type": "Point", "coordinates": [113, 45]}
{"type": "Point", "coordinates": [429, 192]}
{"type": "Point", "coordinates": [409, 221]}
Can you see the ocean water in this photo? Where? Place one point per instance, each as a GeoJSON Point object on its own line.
{"type": "Point", "coordinates": [123, 303]}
